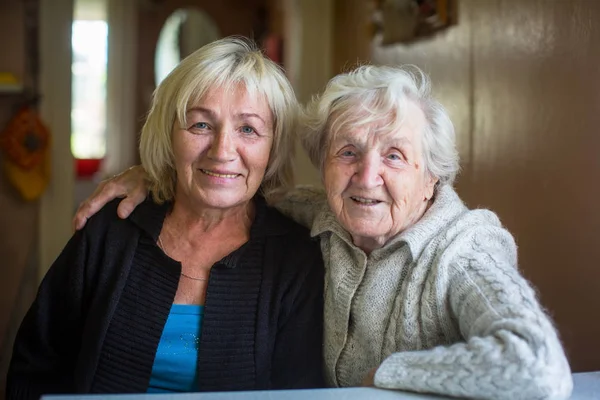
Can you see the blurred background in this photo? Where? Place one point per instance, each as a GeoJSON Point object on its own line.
{"type": "Point", "coordinates": [520, 78]}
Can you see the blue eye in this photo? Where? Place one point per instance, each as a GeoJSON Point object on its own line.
{"type": "Point", "coordinates": [200, 125]}
{"type": "Point", "coordinates": [348, 153]}
{"type": "Point", "coordinates": [248, 130]}
{"type": "Point", "coordinates": [394, 157]}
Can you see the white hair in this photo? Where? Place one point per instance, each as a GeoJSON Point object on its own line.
{"type": "Point", "coordinates": [378, 96]}
{"type": "Point", "coordinates": [225, 63]}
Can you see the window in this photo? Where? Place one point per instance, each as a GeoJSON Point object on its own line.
{"type": "Point", "coordinates": [88, 110]}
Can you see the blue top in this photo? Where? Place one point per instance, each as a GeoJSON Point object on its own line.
{"type": "Point", "coordinates": [176, 361]}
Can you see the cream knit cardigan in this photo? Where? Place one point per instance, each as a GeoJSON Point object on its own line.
{"type": "Point", "coordinates": [441, 308]}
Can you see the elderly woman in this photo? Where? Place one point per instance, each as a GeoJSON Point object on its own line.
{"type": "Point", "coordinates": [204, 287]}
{"type": "Point", "coordinates": [421, 293]}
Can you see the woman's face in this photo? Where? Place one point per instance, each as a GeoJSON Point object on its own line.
{"type": "Point", "coordinates": [222, 153]}
{"type": "Point", "coordinates": [376, 183]}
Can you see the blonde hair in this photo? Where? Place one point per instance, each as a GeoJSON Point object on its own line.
{"type": "Point", "coordinates": [224, 63]}
{"type": "Point", "coordinates": [380, 94]}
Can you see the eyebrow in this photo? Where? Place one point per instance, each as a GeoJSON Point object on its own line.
{"type": "Point", "coordinates": [213, 114]}
{"type": "Point", "coordinates": [401, 142]}
{"type": "Point", "coordinates": [252, 115]}
{"type": "Point", "coordinates": [200, 109]}
{"type": "Point", "coordinates": [389, 142]}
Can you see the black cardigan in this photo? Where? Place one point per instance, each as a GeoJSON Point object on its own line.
{"type": "Point", "coordinates": [100, 311]}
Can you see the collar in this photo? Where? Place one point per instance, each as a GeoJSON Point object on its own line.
{"type": "Point", "coordinates": [326, 221]}
{"type": "Point", "coordinates": [446, 207]}
{"type": "Point", "coordinates": [149, 217]}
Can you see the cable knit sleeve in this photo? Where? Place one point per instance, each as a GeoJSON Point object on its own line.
{"type": "Point", "coordinates": [302, 204]}
{"type": "Point", "coordinates": [510, 349]}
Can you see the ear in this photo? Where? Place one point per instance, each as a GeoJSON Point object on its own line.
{"type": "Point", "coordinates": [430, 182]}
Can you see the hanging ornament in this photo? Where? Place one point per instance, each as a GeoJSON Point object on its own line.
{"type": "Point", "coordinates": [26, 145]}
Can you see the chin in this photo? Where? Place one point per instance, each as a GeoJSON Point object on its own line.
{"type": "Point", "coordinates": [222, 200]}
{"type": "Point", "coordinates": [368, 235]}
{"type": "Point", "coordinates": [364, 231]}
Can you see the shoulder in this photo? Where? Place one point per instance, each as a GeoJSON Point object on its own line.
{"type": "Point", "coordinates": [291, 243]}
{"type": "Point", "coordinates": [481, 229]}
{"type": "Point", "coordinates": [89, 253]}
{"type": "Point", "coordinates": [303, 204]}
{"type": "Point", "coordinates": [292, 258]}
{"type": "Point", "coordinates": [147, 217]}
{"type": "Point", "coordinates": [104, 234]}
{"type": "Point", "coordinates": [277, 224]}
{"type": "Point", "coordinates": [456, 224]}
{"type": "Point", "coordinates": [476, 245]}
{"type": "Point", "coordinates": [105, 218]}
{"type": "Point", "coordinates": [306, 194]}
{"type": "Point", "coordinates": [107, 244]}
{"type": "Point", "coordinates": [304, 198]}
{"type": "Point", "coordinates": [450, 235]}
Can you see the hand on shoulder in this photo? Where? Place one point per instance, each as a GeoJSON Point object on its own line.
{"type": "Point", "coordinates": [131, 185]}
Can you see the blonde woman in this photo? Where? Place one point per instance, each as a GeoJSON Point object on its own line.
{"type": "Point", "coordinates": [204, 287]}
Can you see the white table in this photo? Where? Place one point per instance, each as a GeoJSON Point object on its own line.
{"type": "Point", "coordinates": [587, 387]}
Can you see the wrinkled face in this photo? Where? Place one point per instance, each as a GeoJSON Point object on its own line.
{"type": "Point", "coordinates": [223, 151]}
{"type": "Point", "coordinates": [376, 182]}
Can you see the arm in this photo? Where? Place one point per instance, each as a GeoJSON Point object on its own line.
{"type": "Point", "coordinates": [130, 185]}
{"type": "Point", "coordinates": [48, 340]}
{"type": "Point", "coordinates": [298, 353]}
{"type": "Point", "coordinates": [302, 204]}
{"type": "Point", "coordinates": [511, 350]}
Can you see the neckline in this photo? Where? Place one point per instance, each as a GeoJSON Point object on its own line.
{"type": "Point", "coordinates": [187, 309]}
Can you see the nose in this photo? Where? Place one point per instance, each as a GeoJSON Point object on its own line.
{"type": "Point", "coordinates": [222, 148]}
{"type": "Point", "coordinates": [368, 172]}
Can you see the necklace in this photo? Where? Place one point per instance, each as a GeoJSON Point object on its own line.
{"type": "Point", "coordinates": [162, 246]}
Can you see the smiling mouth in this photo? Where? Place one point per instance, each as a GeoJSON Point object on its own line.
{"type": "Point", "coordinates": [217, 175]}
{"type": "Point", "coordinates": [364, 201]}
